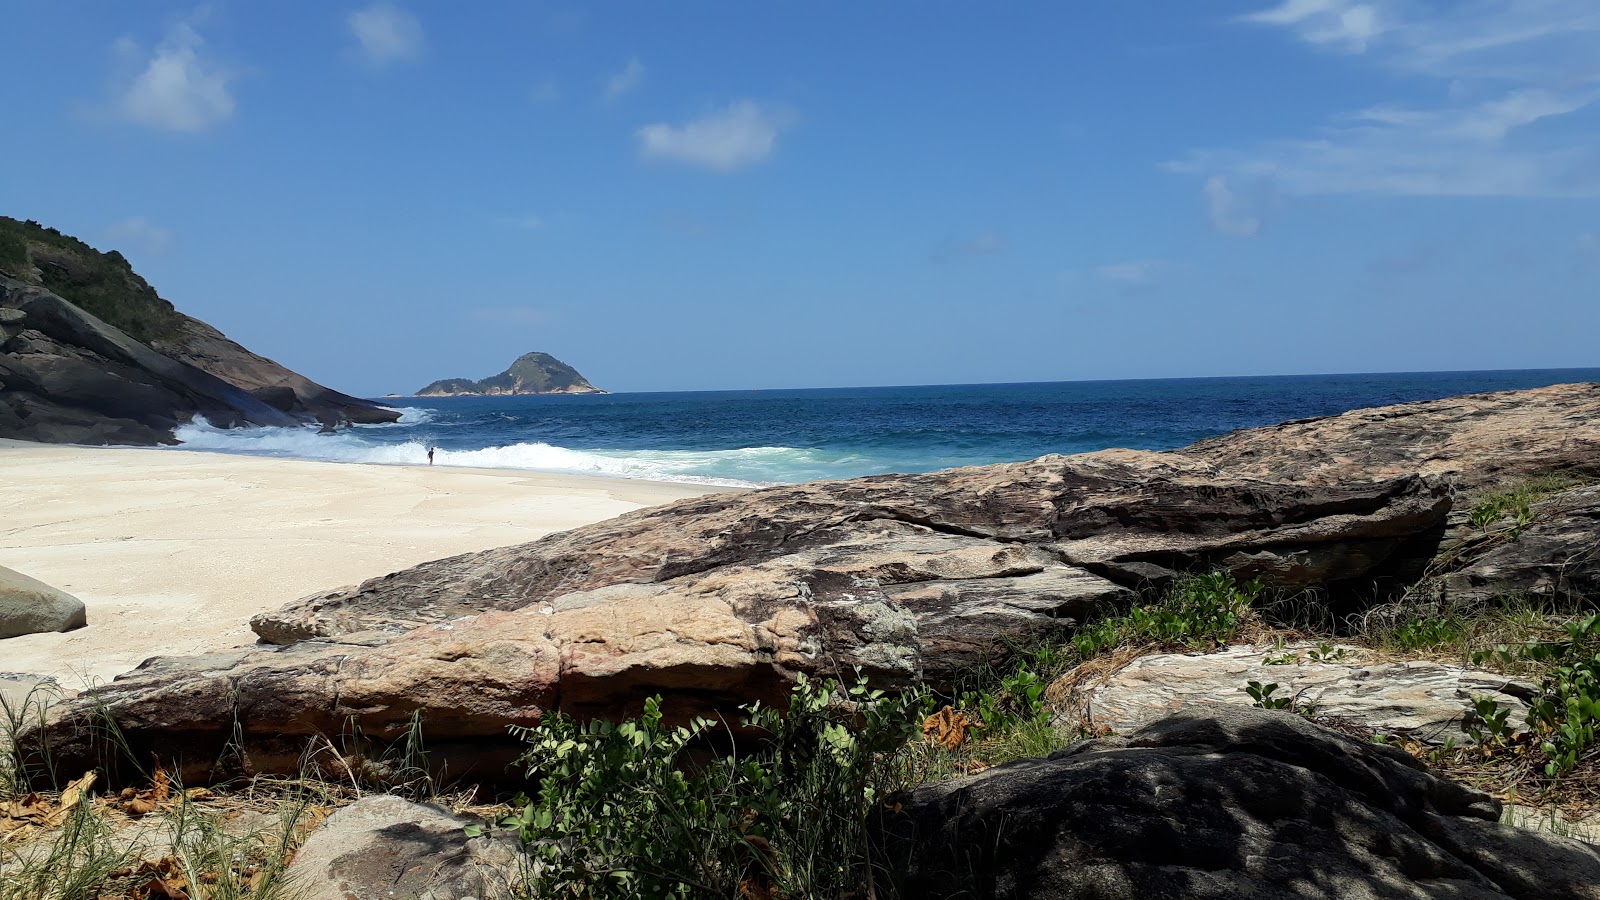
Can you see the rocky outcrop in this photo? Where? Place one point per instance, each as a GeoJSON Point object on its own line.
{"type": "Point", "coordinates": [28, 606]}
{"type": "Point", "coordinates": [385, 847]}
{"type": "Point", "coordinates": [66, 376]}
{"type": "Point", "coordinates": [719, 600]}
{"type": "Point", "coordinates": [1226, 803]}
{"type": "Point", "coordinates": [209, 350]}
{"type": "Point", "coordinates": [1477, 440]}
{"type": "Point", "coordinates": [532, 373]}
{"type": "Point", "coordinates": [1421, 701]}
{"type": "Point", "coordinates": [90, 353]}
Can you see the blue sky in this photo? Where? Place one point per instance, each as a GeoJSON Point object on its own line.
{"type": "Point", "coordinates": [683, 196]}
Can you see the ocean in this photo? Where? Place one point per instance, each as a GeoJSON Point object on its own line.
{"type": "Point", "coordinates": [741, 438]}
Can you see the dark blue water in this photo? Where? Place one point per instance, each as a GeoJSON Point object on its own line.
{"type": "Point", "coordinates": [800, 435]}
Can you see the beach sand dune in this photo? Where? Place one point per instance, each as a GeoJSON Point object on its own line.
{"type": "Point", "coordinates": [173, 551]}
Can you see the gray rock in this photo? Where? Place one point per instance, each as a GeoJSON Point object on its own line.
{"type": "Point", "coordinates": [1425, 701]}
{"type": "Point", "coordinates": [10, 316]}
{"type": "Point", "coordinates": [28, 606]}
{"type": "Point", "coordinates": [1226, 804]}
{"type": "Point", "coordinates": [1558, 555]}
{"type": "Point", "coordinates": [386, 848]}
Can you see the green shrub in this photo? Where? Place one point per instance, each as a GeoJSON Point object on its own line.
{"type": "Point", "coordinates": [1423, 633]}
{"type": "Point", "coordinates": [1566, 715]}
{"type": "Point", "coordinates": [1197, 611]}
{"type": "Point", "coordinates": [622, 812]}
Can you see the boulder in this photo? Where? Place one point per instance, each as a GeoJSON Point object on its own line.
{"type": "Point", "coordinates": [28, 606]}
{"type": "Point", "coordinates": [386, 847]}
{"type": "Point", "coordinates": [1226, 803]}
{"type": "Point", "coordinates": [1422, 701]}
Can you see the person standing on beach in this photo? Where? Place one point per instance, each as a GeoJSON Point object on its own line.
{"type": "Point", "coordinates": [430, 456]}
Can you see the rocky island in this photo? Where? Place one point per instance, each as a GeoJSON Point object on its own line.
{"type": "Point", "coordinates": [91, 354]}
{"type": "Point", "coordinates": [532, 373]}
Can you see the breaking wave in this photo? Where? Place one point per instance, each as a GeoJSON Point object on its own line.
{"type": "Point", "coordinates": [745, 467]}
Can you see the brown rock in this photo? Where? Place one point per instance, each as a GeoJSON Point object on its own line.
{"type": "Point", "coordinates": [719, 600]}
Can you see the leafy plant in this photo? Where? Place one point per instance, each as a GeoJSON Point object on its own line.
{"type": "Point", "coordinates": [1490, 723]}
{"type": "Point", "coordinates": [1198, 610]}
{"type": "Point", "coordinates": [1262, 695]}
{"type": "Point", "coordinates": [621, 811]}
{"type": "Point", "coordinates": [1566, 714]}
{"type": "Point", "coordinates": [1427, 633]}
{"type": "Point", "coordinates": [1326, 652]}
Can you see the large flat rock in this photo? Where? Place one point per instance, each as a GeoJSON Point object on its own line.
{"type": "Point", "coordinates": [1423, 701]}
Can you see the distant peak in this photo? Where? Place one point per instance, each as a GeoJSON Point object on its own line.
{"type": "Point", "coordinates": [532, 373]}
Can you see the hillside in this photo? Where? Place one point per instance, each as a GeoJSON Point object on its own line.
{"type": "Point", "coordinates": [91, 353]}
{"type": "Point", "coordinates": [532, 373]}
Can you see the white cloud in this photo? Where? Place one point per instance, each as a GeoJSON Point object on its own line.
{"type": "Point", "coordinates": [986, 244]}
{"type": "Point", "coordinates": [1338, 23]}
{"type": "Point", "coordinates": [138, 236]}
{"type": "Point", "coordinates": [631, 76]}
{"type": "Point", "coordinates": [743, 134]}
{"type": "Point", "coordinates": [386, 34]}
{"type": "Point", "coordinates": [178, 89]}
{"type": "Point", "coordinates": [1517, 114]}
{"type": "Point", "coordinates": [1228, 212]}
{"type": "Point", "coordinates": [1135, 274]}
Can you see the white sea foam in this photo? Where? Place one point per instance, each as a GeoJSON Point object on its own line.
{"type": "Point", "coordinates": [759, 465]}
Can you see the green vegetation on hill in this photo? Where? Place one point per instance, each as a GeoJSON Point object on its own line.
{"type": "Point", "coordinates": [103, 284]}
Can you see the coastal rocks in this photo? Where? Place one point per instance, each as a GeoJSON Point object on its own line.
{"type": "Point", "coordinates": [385, 847]}
{"type": "Point", "coordinates": [28, 606]}
{"type": "Point", "coordinates": [1423, 701]}
{"type": "Point", "coordinates": [1557, 555]}
{"type": "Point", "coordinates": [1478, 440]}
{"type": "Point", "coordinates": [1226, 803]}
{"type": "Point", "coordinates": [79, 380]}
{"type": "Point", "coordinates": [720, 600]}
{"type": "Point", "coordinates": [91, 354]}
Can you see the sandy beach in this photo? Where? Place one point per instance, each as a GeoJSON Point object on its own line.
{"type": "Point", "coordinates": [173, 551]}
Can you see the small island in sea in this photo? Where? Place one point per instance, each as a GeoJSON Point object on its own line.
{"type": "Point", "coordinates": [532, 373]}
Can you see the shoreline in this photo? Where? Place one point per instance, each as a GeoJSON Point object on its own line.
{"type": "Point", "coordinates": [173, 552]}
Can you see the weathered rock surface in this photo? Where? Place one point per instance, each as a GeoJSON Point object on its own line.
{"type": "Point", "coordinates": [1227, 803]}
{"type": "Point", "coordinates": [69, 377]}
{"type": "Point", "coordinates": [1558, 555]}
{"type": "Point", "coordinates": [385, 847]}
{"type": "Point", "coordinates": [29, 606]}
{"type": "Point", "coordinates": [1479, 440]}
{"type": "Point", "coordinates": [720, 600]}
{"type": "Point", "coordinates": [1423, 701]}
{"type": "Point", "coordinates": [209, 350]}
{"type": "Point", "coordinates": [122, 365]}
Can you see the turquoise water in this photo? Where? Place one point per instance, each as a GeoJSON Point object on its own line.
{"type": "Point", "coordinates": [763, 437]}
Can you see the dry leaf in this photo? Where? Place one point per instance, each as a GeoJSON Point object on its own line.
{"type": "Point", "coordinates": [947, 728]}
{"type": "Point", "coordinates": [162, 789]}
{"type": "Point", "coordinates": [75, 792]}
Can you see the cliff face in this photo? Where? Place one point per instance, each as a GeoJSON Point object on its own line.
{"type": "Point", "coordinates": [532, 373]}
{"type": "Point", "coordinates": [90, 353]}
